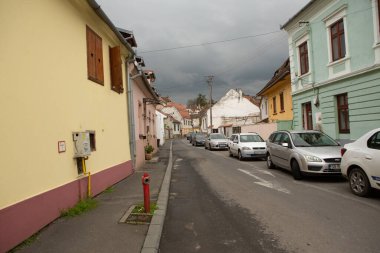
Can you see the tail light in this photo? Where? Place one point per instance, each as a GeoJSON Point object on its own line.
{"type": "Point", "coordinates": [342, 151]}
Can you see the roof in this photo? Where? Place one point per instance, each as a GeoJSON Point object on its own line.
{"type": "Point", "coordinates": [298, 13]}
{"type": "Point", "coordinates": [181, 109]}
{"type": "Point", "coordinates": [128, 36]}
{"type": "Point", "coordinates": [253, 100]}
{"type": "Point", "coordinates": [278, 75]}
{"type": "Point", "coordinates": [96, 7]}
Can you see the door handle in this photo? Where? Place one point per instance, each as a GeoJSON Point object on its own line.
{"type": "Point", "coordinates": [368, 157]}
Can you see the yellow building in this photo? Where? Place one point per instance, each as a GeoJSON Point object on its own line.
{"type": "Point", "coordinates": [276, 97]}
{"type": "Point", "coordinates": [62, 88]}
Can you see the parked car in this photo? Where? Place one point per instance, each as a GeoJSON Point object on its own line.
{"type": "Point", "coordinates": [192, 136]}
{"type": "Point", "coordinates": [304, 152]}
{"type": "Point", "coordinates": [216, 141]}
{"type": "Point", "coordinates": [247, 145]}
{"type": "Point", "coordinates": [361, 163]}
{"type": "Point", "coordinates": [198, 139]}
{"type": "Point", "coordinates": [188, 136]}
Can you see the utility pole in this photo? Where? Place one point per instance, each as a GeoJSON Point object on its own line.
{"type": "Point", "coordinates": [209, 82]}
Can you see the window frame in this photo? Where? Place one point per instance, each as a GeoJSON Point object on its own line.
{"type": "Point", "coordinates": [303, 53]}
{"type": "Point", "coordinates": [343, 108]}
{"type": "Point", "coordinates": [307, 116]}
{"type": "Point", "coordinates": [116, 69]}
{"type": "Point", "coordinates": [282, 102]}
{"type": "Point", "coordinates": [274, 103]}
{"type": "Point", "coordinates": [340, 36]}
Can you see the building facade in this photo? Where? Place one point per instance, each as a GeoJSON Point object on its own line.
{"type": "Point", "coordinates": [276, 98]}
{"type": "Point", "coordinates": [63, 99]}
{"type": "Point", "coordinates": [334, 49]}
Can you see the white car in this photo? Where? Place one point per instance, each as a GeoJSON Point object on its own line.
{"type": "Point", "coordinates": [361, 163]}
{"type": "Point", "coordinates": [247, 145]}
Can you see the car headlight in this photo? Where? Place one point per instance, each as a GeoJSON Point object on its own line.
{"type": "Point", "coordinates": [245, 148]}
{"type": "Point", "coordinates": [311, 158]}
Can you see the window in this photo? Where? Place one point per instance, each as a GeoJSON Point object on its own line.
{"type": "Point", "coordinates": [342, 104]}
{"type": "Point", "coordinates": [116, 72]}
{"type": "Point", "coordinates": [274, 106]}
{"type": "Point", "coordinates": [304, 58]}
{"type": "Point", "coordinates": [374, 141]}
{"type": "Point", "coordinates": [282, 105]}
{"type": "Point", "coordinates": [236, 130]}
{"type": "Point", "coordinates": [338, 45]}
{"type": "Point", "coordinates": [307, 116]}
{"type": "Point", "coordinates": [94, 57]}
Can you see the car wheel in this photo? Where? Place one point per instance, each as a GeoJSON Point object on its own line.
{"type": "Point", "coordinates": [359, 182]}
{"type": "Point", "coordinates": [229, 151]}
{"type": "Point", "coordinates": [205, 146]}
{"type": "Point", "coordinates": [296, 170]}
{"type": "Point", "coordinates": [240, 156]}
{"type": "Point", "coordinates": [270, 164]}
{"type": "Point", "coordinates": [209, 147]}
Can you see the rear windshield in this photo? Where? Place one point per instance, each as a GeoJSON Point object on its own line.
{"type": "Point", "coordinates": [312, 140]}
{"type": "Point", "coordinates": [251, 138]}
{"type": "Point", "coordinates": [217, 136]}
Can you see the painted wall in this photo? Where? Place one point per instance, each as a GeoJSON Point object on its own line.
{"type": "Point", "coordinates": [144, 115]}
{"type": "Point", "coordinates": [263, 129]}
{"type": "Point", "coordinates": [284, 86]}
{"type": "Point", "coordinates": [357, 74]}
{"type": "Point", "coordinates": [44, 97]}
{"type": "Point", "coordinates": [160, 127]}
{"type": "Point", "coordinates": [233, 108]}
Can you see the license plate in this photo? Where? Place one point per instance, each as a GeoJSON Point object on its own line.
{"type": "Point", "coordinates": [259, 152]}
{"type": "Point", "coordinates": [334, 166]}
{"type": "Point", "coordinates": [222, 145]}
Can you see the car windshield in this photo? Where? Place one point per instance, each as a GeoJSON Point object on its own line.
{"type": "Point", "coordinates": [217, 136]}
{"type": "Point", "coordinates": [312, 140]}
{"type": "Point", "coordinates": [200, 136]}
{"type": "Point", "coordinates": [251, 138]}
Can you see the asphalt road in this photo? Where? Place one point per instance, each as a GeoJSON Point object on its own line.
{"type": "Point", "coordinates": [220, 204]}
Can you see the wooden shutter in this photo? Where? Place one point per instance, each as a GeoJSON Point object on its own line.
{"type": "Point", "coordinates": [91, 52]}
{"type": "Point", "coordinates": [99, 60]}
{"type": "Point", "coordinates": [94, 56]}
{"type": "Point", "coordinates": [116, 70]}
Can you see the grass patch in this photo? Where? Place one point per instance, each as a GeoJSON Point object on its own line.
{"type": "Point", "coordinates": [25, 243]}
{"type": "Point", "coordinates": [109, 189]}
{"type": "Point", "coordinates": [139, 208]}
{"type": "Point", "coordinates": [81, 207]}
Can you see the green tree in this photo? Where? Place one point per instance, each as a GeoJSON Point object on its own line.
{"type": "Point", "coordinates": [199, 102]}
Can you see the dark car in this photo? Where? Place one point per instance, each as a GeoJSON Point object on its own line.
{"type": "Point", "coordinates": [192, 136]}
{"type": "Point", "coordinates": [188, 136]}
{"type": "Point", "coordinates": [198, 139]}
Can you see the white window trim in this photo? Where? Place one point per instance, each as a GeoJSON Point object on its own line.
{"type": "Point", "coordinates": [376, 30]}
{"type": "Point", "coordinates": [299, 42]}
{"type": "Point", "coordinates": [340, 13]}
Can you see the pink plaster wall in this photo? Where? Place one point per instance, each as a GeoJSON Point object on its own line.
{"type": "Point", "coordinates": [19, 221]}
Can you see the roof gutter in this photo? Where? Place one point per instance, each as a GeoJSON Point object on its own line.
{"type": "Point", "coordinates": [96, 7]}
{"type": "Point", "coordinates": [297, 14]}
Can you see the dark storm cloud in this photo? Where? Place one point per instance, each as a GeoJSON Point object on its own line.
{"type": "Point", "coordinates": [247, 63]}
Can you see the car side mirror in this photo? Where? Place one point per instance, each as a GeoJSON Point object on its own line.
{"type": "Point", "coordinates": [285, 145]}
{"type": "Point", "coordinates": [236, 142]}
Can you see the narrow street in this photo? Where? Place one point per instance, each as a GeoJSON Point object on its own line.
{"type": "Point", "coordinates": [220, 204]}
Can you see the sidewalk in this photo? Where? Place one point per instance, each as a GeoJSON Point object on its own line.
{"type": "Point", "coordinates": [99, 230]}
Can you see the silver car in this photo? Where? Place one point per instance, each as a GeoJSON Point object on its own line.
{"type": "Point", "coordinates": [304, 152]}
{"type": "Point", "coordinates": [216, 141]}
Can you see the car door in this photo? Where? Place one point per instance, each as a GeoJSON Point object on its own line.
{"type": "Point", "coordinates": [371, 159]}
{"type": "Point", "coordinates": [275, 149]}
{"type": "Point", "coordinates": [284, 153]}
{"type": "Point", "coordinates": [235, 145]}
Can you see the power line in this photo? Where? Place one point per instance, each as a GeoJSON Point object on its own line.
{"type": "Point", "coordinates": [208, 43]}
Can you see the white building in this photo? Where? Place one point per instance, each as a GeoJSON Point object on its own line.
{"type": "Point", "coordinates": [231, 112]}
{"type": "Point", "coordinates": [160, 128]}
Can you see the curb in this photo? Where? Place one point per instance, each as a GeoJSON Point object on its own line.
{"type": "Point", "coordinates": [152, 239]}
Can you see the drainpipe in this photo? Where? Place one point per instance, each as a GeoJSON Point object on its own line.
{"type": "Point", "coordinates": [130, 108]}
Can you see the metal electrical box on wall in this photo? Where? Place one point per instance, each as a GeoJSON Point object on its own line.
{"type": "Point", "coordinates": [82, 147]}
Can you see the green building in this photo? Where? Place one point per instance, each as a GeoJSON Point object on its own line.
{"type": "Point", "coordinates": [334, 49]}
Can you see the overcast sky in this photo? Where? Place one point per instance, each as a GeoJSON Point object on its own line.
{"type": "Point", "coordinates": [247, 63]}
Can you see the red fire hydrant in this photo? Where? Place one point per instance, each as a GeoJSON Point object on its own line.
{"type": "Point", "coordinates": [145, 182]}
